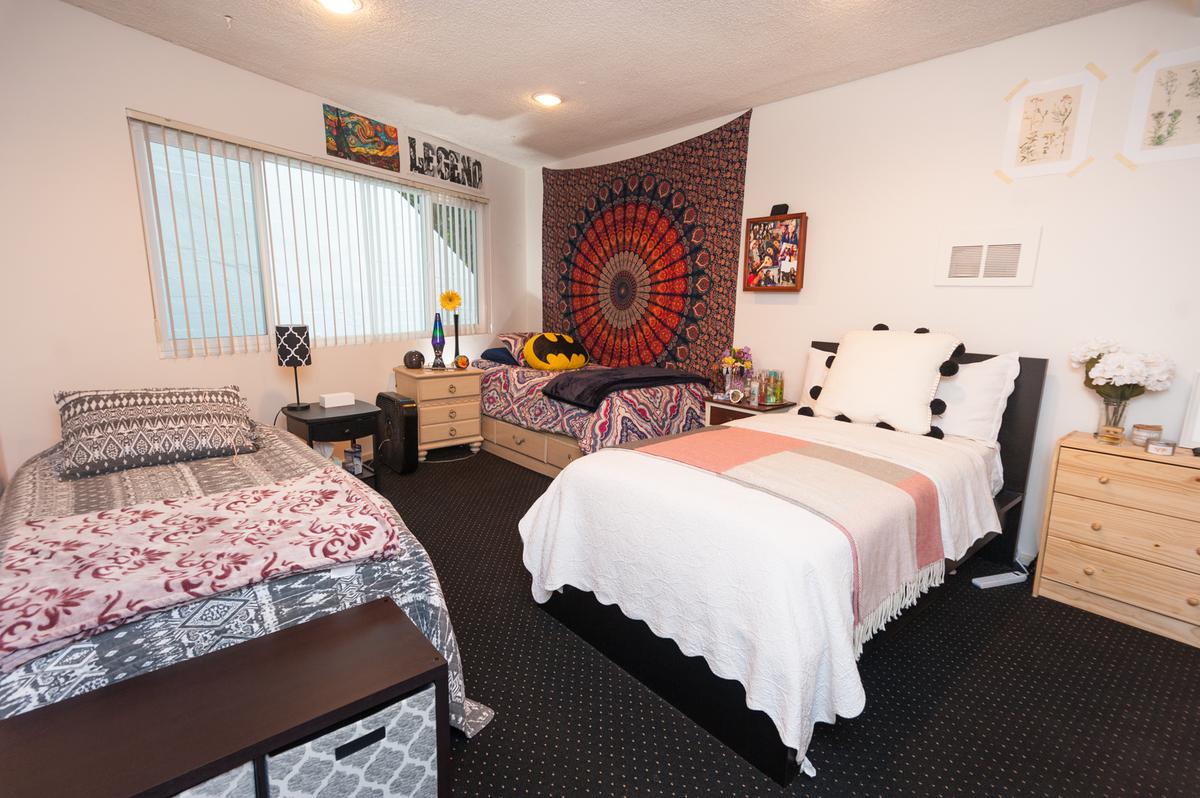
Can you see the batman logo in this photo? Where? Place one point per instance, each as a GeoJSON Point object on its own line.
{"type": "Point", "coordinates": [554, 352]}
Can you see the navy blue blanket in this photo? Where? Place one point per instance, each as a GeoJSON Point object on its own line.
{"type": "Point", "coordinates": [587, 388]}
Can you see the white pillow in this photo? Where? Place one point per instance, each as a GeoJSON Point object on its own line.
{"type": "Point", "coordinates": [976, 396]}
{"type": "Point", "coordinates": [885, 377]}
{"type": "Point", "coordinates": [815, 372]}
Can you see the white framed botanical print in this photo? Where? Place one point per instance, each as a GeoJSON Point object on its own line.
{"type": "Point", "coordinates": [1048, 125]}
{"type": "Point", "coordinates": [1164, 123]}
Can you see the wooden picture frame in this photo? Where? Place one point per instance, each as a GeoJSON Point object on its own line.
{"type": "Point", "coordinates": [773, 259]}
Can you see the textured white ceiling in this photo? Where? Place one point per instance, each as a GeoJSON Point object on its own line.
{"type": "Point", "coordinates": [465, 69]}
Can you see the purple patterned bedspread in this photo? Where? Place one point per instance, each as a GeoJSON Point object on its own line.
{"type": "Point", "coordinates": [514, 394]}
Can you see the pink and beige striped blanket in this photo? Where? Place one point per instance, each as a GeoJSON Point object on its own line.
{"type": "Point", "coordinates": [62, 579]}
{"type": "Point", "coordinates": [888, 513]}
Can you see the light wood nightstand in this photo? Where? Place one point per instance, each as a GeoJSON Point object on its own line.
{"type": "Point", "coordinates": [1121, 536]}
{"type": "Point", "coordinates": [447, 406]}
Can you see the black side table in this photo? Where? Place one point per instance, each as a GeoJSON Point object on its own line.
{"type": "Point", "coordinates": [329, 424]}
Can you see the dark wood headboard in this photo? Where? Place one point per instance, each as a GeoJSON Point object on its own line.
{"type": "Point", "coordinates": [1019, 425]}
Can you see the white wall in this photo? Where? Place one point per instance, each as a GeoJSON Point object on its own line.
{"type": "Point", "coordinates": [75, 303]}
{"type": "Point", "coordinates": [884, 165]}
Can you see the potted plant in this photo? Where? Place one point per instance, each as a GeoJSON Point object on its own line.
{"type": "Point", "coordinates": [1118, 376]}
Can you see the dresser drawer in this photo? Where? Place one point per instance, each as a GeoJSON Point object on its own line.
{"type": "Point", "coordinates": [1150, 536]}
{"type": "Point", "coordinates": [441, 414]}
{"type": "Point", "coordinates": [521, 440]}
{"type": "Point", "coordinates": [1159, 487]}
{"type": "Point", "coordinates": [562, 453]}
{"type": "Point", "coordinates": [449, 387]}
{"type": "Point", "coordinates": [451, 430]}
{"type": "Point", "coordinates": [343, 430]}
{"type": "Point", "coordinates": [1159, 588]}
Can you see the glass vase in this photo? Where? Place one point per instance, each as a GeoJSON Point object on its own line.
{"type": "Point", "coordinates": [1112, 421]}
{"type": "Point", "coordinates": [438, 341]}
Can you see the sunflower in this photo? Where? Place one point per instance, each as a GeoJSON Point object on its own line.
{"type": "Point", "coordinates": [450, 300]}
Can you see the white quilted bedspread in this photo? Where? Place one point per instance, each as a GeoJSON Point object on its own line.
{"type": "Point", "coordinates": [759, 587]}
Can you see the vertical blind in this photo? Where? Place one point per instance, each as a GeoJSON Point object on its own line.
{"type": "Point", "coordinates": [240, 239]}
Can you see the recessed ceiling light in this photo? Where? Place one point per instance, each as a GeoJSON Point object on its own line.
{"type": "Point", "coordinates": [342, 6]}
{"type": "Point", "coordinates": [547, 99]}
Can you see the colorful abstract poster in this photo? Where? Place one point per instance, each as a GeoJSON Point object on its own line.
{"type": "Point", "coordinates": [361, 139]}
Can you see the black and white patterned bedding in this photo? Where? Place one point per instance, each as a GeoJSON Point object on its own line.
{"type": "Point", "coordinates": [205, 625]}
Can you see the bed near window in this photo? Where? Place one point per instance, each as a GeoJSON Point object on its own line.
{"type": "Point", "coordinates": [38, 500]}
{"type": "Point", "coordinates": [522, 424]}
{"type": "Point", "coordinates": [738, 571]}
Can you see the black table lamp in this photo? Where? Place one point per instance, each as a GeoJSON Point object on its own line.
{"type": "Point", "coordinates": [291, 344]}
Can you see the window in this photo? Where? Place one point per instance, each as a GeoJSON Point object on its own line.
{"type": "Point", "coordinates": [240, 239]}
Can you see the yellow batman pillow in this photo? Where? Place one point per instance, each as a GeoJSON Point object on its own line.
{"type": "Point", "coordinates": [554, 352]}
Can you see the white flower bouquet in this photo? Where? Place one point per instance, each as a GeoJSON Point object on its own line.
{"type": "Point", "coordinates": [1118, 376]}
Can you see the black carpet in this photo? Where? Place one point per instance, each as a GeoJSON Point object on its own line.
{"type": "Point", "coordinates": [981, 693]}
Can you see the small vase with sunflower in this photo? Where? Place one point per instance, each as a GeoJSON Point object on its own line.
{"type": "Point", "coordinates": [450, 301]}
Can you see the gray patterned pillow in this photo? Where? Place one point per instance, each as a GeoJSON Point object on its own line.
{"type": "Point", "coordinates": [106, 431]}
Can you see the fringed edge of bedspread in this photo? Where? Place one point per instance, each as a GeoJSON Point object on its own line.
{"type": "Point", "coordinates": [928, 577]}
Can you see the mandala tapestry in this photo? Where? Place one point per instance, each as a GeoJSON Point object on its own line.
{"type": "Point", "coordinates": [640, 257]}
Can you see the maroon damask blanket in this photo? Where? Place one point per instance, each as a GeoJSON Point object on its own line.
{"type": "Point", "coordinates": [67, 578]}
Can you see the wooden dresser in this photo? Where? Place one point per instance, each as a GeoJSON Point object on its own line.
{"type": "Point", "coordinates": [1121, 536]}
{"type": "Point", "coordinates": [447, 406]}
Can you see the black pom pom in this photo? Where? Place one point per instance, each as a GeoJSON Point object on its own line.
{"type": "Point", "coordinates": [885, 425]}
{"type": "Point", "coordinates": [935, 432]}
{"type": "Point", "coordinates": [921, 330]}
{"type": "Point", "coordinates": [805, 411]}
{"type": "Point", "coordinates": [879, 327]}
{"type": "Point", "coordinates": [814, 391]}
{"type": "Point", "coordinates": [959, 350]}
{"type": "Point", "coordinates": [937, 406]}
{"type": "Point", "coordinates": [829, 361]}
{"type": "Point", "coordinates": [948, 369]}
{"type": "Point", "coordinates": [841, 417]}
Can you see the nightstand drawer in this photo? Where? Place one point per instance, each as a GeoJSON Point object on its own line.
{"type": "Point", "coordinates": [441, 414]}
{"type": "Point", "coordinates": [1159, 487]}
{"type": "Point", "coordinates": [343, 429]}
{"type": "Point", "coordinates": [449, 387]}
{"type": "Point", "coordinates": [450, 431]}
{"type": "Point", "coordinates": [1149, 536]}
{"type": "Point", "coordinates": [1169, 591]}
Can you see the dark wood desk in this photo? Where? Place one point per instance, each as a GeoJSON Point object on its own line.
{"type": "Point", "coordinates": [174, 728]}
{"type": "Point", "coordinates": [330, 424]}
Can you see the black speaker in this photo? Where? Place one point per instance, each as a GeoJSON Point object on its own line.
{"type": "Point", "coordinates": [397, 432]}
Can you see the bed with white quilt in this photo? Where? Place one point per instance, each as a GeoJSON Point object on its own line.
{"type": "Point", "coordinates": [773, 547]}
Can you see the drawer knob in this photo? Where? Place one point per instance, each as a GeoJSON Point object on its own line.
{"type": "Point", "coordinates": [1089, 570]}
{"type": "Point", "coordinates": [1194, 601]}
{"type": "Point", "coordinates": [453, 388]}
{"type": "Point", "coordinates": [453, 414]}
{"type": "Point", "coordinates": [453, 432]}
{"type": "Point", "coordinates": [1096, 526]}
{"type": "Point", "coordinates": [518, 441]}
{"type": "Point", "coordinates": [1103, 480]}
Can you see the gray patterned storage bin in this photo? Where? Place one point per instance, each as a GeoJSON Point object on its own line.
{"type": "Point", "coordinates": [401, 762]}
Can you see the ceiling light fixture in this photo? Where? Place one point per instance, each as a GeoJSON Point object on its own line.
{"type": "Point", "coordinates": [547, 99]}
{"type": "Point", "coordinates": [342, 6]}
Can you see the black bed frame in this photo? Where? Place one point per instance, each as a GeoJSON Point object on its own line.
{"type": "Point", "coordinates": [719, 705]}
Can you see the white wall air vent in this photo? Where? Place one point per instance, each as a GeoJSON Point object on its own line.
{"type": "Point", "coordinates": [989, 258]}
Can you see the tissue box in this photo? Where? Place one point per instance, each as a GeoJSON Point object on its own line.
{"type": "Point", "coordinates": [337, 399]}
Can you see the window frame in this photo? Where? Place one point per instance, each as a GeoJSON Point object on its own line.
{"type": "Point", "coordinates": [171, 347]}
